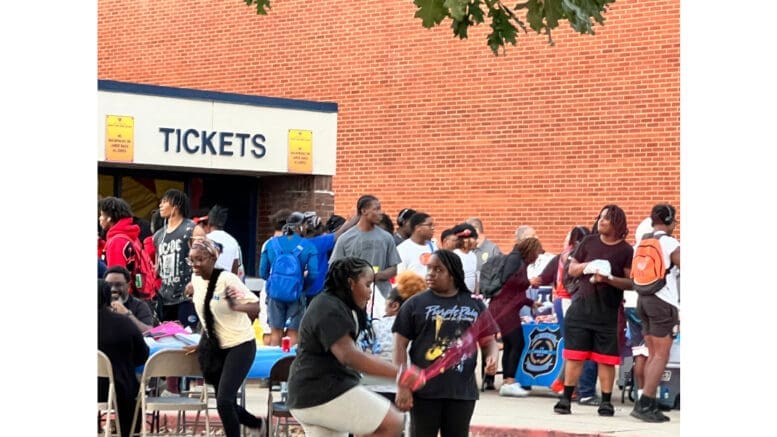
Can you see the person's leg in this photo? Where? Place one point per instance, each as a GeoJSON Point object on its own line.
{"type": "Point", "coordinates": [294, 312]}
{"type": "Point", "coordinates": [639, 374]}
{"type": "Point", "coordinates": [586, 385]}
{"type": "Point", "coordinates": [511, 356]}
{"type": "Point", "coordinates": [237, 363]}
{"type": "Point", "coordinates": [578, 346]}
{"type": "Point", "coordinates": [513, 344]}
{"type": "Point", "coordinates": [276, 314]}
{"type": "Point", "coordinates": [376, 415]}
{"type": "Point", "coordinates": [607, 356]}
{"type": "Point", "coordinates": [456, 416]}
{"type": "Point", "coordinates": [126, 406]}
{"type": "Point", "coordinates": [425, 417]}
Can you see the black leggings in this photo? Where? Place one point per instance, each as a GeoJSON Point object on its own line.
{"type": "Point", "coordinates": [513, 344]}
{"type": "Point", "coordinates": [237, 363]}
{"type": "Point", "coordinates": [450, 417]}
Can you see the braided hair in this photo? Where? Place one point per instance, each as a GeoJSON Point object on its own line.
{"type": "Point", "coordinates": [617, 218]}
{"type": "Point", "coordinates": [178, 199]}
{"type": "Point", "coordinates": [336, 284]}
{"type": "Point", "coordinates": [452, 263]}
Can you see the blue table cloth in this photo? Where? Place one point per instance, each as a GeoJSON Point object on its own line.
{"type": "Point", "coordinates": [265, 357]}
{"type": "Point", "coordinates": [541, 359]}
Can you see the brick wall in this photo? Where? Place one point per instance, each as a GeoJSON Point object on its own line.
{"type": "Point", "coordinates": [542, 136]}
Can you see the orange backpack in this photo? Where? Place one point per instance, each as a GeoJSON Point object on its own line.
{"type": "Point", "coordinates": [648, 271]}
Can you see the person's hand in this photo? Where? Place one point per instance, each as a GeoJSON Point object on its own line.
{"type": "Point", "coordinates": [490, 365]}
{"type": "Point", "coordinates": [119, 308]}
{"type": "Point", "coordinates": [596, 278]}
{"type": "Point", "coordinates": [189, 290]}
{"type": "Point", "coordinates": [190, 349]}
{"type": "Point", "coordinates": [412, 377]}
{"type": "Point", "coordinates": [404, 399]}
{"type": "Point", "coordinates": [535, 281]}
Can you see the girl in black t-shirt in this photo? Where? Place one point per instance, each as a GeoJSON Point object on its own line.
{"type": "Point", "coordinates": [431, 322]}
{"type": "Point", "coordinates": [324, 388]}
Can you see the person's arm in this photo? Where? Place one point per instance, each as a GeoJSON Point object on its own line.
{"type": "Point", "coordinates": [242, 299]}
{"type": "Point", "coordinates": [548, 275]}
{"type": "Point", "coordinates": [119, 308]}
{"type": "Point", "coordinates": [347, 225]}
{"type": "Point", "coordinates": [235, 265]}
{"type": "Point", "coordinates": [675, 257]}
{"type": "Point", "coordinates": [404, 397]}
{"type": "Point", "coordinates": [575, 267]}
{"type": "Point", "coordinates": [264, 262]}
{"type": "Point", "coordinates": [139, 349]}
{"type": "Point", "coordinates": [346, 352]}
{"type": "Point", "coordinates": [623, 283]}
{"type": "Point", "coordinates": [490, 350]}
{"type": "Point", "coordinates": [312, 268]}
{"type": "Point", "coordinates": [386, 274]}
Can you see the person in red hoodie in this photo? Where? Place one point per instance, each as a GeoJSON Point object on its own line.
{"type": "Point", "coordinates": [116, 220]}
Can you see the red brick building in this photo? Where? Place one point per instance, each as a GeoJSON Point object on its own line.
{"type": "Point", "coordinates": [542, 136]}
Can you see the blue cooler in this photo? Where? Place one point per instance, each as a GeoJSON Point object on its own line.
{"type": "Point", "coordinates": [669, 389]}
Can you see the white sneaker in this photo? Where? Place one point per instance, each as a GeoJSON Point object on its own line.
{"type": "Point", "coordinates": [512, 390]}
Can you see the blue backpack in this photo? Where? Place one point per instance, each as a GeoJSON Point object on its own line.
{"type": "Point", "coordinates": [285, 281]}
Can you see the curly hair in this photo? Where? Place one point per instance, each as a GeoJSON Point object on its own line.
{"type": "Point", "coordinates": [617, 218]}
{"type": "Point", "coordinates": [114, 207]}
{"type": "Point", "coordinates": [409, 283]}
{"type": "Point", "coordinates": [530, 248]}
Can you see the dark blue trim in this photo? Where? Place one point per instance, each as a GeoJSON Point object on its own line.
{"type": "Point", "coordinates": [186, 93]}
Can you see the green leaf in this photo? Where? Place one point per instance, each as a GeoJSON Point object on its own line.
{"type": "Point", "coordinates": [476, 12]}
{"type": "Point", "coordinates": [431, 12]}
{"type": "Point", "coordinates": [458, 8]}
{"type": "Point", "coordinates": [534, 15]}
{"type": "Point", "coordinates": [460, 28]}
{"type": "Point", "coordinates": [580, 12]}
{"type": "Point", "coordinates": [553, 13]}
{"type": "Point", "coordinates": [502, 30]}
{"type": "Point", "coordinates": [261, 5]}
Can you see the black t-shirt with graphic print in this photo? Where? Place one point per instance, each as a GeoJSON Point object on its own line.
{"type": "Point", "coordinates": [432, 323]}
{"type": "Point", "coordinates": [316, 376]}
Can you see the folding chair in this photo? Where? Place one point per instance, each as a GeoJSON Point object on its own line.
{"type": "Point", "coordinates": [105, 370]}
{"type": "Point", "coordinates": [279, 374]}
{"type": "Point", "coordinates": [171, 362]}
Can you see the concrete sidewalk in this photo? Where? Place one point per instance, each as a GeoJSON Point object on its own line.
{"type": "Point", "coordinates": [533, 416]}
{"type": "Point", "coordinates": [497, 416]}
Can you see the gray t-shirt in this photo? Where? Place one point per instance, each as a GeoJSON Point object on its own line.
{"type": "Point", "coordinates": [376, 247]}
{"type": "Point", "coordinates": [172, 249]}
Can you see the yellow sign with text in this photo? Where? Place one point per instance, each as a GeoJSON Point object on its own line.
{"type": "Point", "coordinates": [300, 151]}
{"type": "Point", "coordinates": [119, 138]}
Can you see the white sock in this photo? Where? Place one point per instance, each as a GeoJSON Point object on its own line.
{"type": "Point", "coordinates": [639, 393]}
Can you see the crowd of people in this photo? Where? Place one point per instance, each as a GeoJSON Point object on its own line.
{"type": "Point", "coordinates": [361, 297]}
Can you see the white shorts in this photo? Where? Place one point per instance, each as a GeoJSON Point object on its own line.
{"type": "Point", "coordinates": [336, 418]}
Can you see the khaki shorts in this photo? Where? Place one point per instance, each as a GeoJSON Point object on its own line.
{"type": "Point", "coordinates": [357, 411]}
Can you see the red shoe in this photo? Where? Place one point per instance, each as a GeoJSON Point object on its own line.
{"type": "Point", "coordinates": [557, 386]}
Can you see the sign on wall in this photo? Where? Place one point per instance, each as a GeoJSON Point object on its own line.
{"type": "Point", "coordinates": [195, 129]}
{"type": "Point", "coordinates": [119, 134]}
{"type": "Point", "coordinates": [300, 151]}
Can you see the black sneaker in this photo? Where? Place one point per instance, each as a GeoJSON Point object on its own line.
{"type": "Point", "coordinates": [591, 401]}
{"type": "Point", "coordinates": [644, 410]}
{"type": "Point", "coordinates": [606, 409]}
{"type": "Point", "coordinates": [562, 407]}
{"type": "Point", "coordinates": [488, 384]}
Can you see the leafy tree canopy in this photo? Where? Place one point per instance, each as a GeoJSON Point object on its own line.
{"type": "Point", "coordinates": [542, 15]}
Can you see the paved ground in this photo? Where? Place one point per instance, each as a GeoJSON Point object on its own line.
{"type": "Point", "coordinates": [532, 416]}
{"type": "Point", "coordinates": [499, 416]}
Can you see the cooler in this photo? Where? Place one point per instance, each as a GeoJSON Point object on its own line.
{"type": "Point", "coordinates": [669, 389]}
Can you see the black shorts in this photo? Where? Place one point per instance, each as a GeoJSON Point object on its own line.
{"type": "Point", "coordinates": [590, 343]}
{"type": "Point", "coordinates": [658, 317]}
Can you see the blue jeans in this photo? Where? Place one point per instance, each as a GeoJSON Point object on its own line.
{"type": "Point", "coordinates": [586, 385]}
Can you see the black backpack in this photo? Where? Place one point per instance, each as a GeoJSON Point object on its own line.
{"type": "Point", "coordinates": [491, 275]}
{"type": "Point", "coordinates": [571, 283]}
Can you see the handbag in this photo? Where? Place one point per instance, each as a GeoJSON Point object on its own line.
{"type": "Point", "coordinates": [209, 353]}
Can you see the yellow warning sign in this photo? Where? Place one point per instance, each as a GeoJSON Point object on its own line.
{"type": "Point", "coordinates": [300, 151]}
{"type": "Point", "coordinates": [119, 138]}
